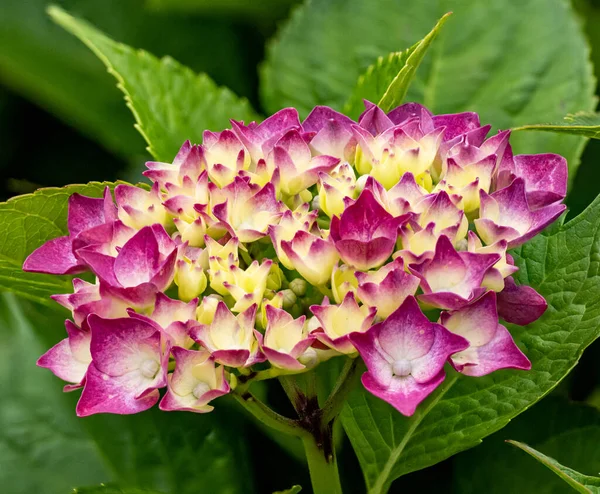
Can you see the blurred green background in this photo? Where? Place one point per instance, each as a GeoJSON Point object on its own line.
{"type": "Point", "coordinates": [63, 120]}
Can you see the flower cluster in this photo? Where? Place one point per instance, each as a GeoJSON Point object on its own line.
{"type": "Point", "coordinates": [282, 244]}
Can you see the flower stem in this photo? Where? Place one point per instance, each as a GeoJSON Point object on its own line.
{"type": "Point", "coordinates": [322, 464]}
{"type": "Point", "coordinates": [267, 416]}
{"type": "Point", "coordinates": [344, 384]}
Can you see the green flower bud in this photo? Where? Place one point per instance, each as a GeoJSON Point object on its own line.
{"type": "Point", "coordinates": [298, 286]}
{"type": "Point", "coordinates": [289, 298]}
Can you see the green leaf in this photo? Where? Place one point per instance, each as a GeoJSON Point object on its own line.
{"type": "Point", "coordinates": [387, 80]}
{"type": "Point", "coordinates": [48, 66]}
{"type": "Point", "coordinates": [579, 482]}
{"type": "Point", "coordinates": [170, 102]}
{"type": "Point", "coordinates": [258, 11]}
{"type": "Point", "coordinates": [28, 221]}
{"type": "Point", "coordinates": [562, 264]}
{"type": "Point", "coordinates": [586, 124]}
{"type": "Point", "coordinates": [178, 453]}
{"type": "Point", "coordinates": [44, 64]}
{"type": "Point", "coordinates": [564, 430]}
{"type": "Point", "coordinates": [174, 453]}
{"type": "Point", "coordinates": [500, 59]}
{"type": "Point", "coordinates": [43, 446]}
{"type": "Point", "coordinates": [109, 489]}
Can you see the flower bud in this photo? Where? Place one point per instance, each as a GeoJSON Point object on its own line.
{"type": "Point", "coordinates": [207, 308]}
{"type": "Point", "coordinates": [289, 298]}
{"type": "Point", "coordinates": [275, 278]}
{"type": "Point", "coordinates": [343, 281]}
{"type": "Point", "coordinates": [298, 286]}
{"type": "Point", "coordinates": [276, 301]}
{"type": "Point", "coordinates": [190, 279]}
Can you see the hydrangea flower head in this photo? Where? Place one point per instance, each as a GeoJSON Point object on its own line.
{"type": "Point", "coordinates": [277, 245]}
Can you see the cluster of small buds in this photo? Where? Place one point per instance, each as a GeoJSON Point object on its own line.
{"type": "Point", "coordinates": [276, 246]}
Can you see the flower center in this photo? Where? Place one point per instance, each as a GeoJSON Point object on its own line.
{"type": "Point", "coordinates": [149, 368]}
{"type": "Point", "coordinates": [402, 367]}
{"type": "Point", "coordinates": [200, 389]}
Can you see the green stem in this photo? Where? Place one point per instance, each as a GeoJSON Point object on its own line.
{"type": "Point", "coordinates": [267, 416]}
{"type": "Point", "coordinates": [344, 384]}
{"type": "Point", "coordinates": [322, 465]}
{"type": "Point", "coordinates": [325, 290]}
{"type": "Point", "coordinates": [292, 391]}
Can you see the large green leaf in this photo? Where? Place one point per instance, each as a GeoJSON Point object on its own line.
{"type": "Point", "coordinates": [566, 431]}
{"type": "Point", "coordinates": [45, 64]}
{"type": "Point", "coordinates": [500, 59]}
{"type": "Point", "coordinates": [43, 446]}
{"type": "Point", "coordinates": [28, 221]}
{"type": "Point", "coordinates": [258, 11]}
{"type": "Point", "coordinates": [586, 124]}
{"type": "Point", "coordinates": [178, 453]}
{"type": "Point", "coordinates": [581, 483]}
{"type": "Point", "coordinates": [386, 82]}
{"type": "Point", "coordinates": [562, 264]}
{"type": "Point", "coordinates": [170, 102]}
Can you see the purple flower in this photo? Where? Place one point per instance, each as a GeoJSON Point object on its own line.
{"type": "Point", "coordinates": [507, 215]}
{"type": "Point", "coordinates": [338, 321]}
{"type": "Point", "coordinates": [386, 288]}
{"type": "Point", "coordinates": [452, 279]}
{"type": "Point", "coordinates": [195, 382]}
{"type": "Point", "coordinates": [312, 256]}
{"type": "Point", "coordinates": [331, 133]}
{"type": "Point", "coordinates": [58, 256]}
{"type": "Point", "coordinates": [180, 175]}
{"type": "Point", "coordinates": [143, 266]}
{"type": "Point", "coordinates": [520, 304]}
{"type": "Point", "coordinates": [491, 345]}
{"type": "Point", "coordinates": [298, 169]}
{"type": "Point", "coordinates": [230, 339]}
{"type": "Point", "coordinates": [175, 318]}
{"type": "Point", "coordinates": [545, 177]}
{"type": "Point", "coordinates": [91, 299]}
{"type": "Point", "coordinates": [365, 234]}
{"type": "Point", "coordinates": [247, 210]}
{"type": "Point", "coordinates": [405, 356]}
{"type": "Point", "coordinates": [128, 367]}
{"type": "Point", "coordinates": [285, 339]}
{"type": "Point", "coordinates": [260, 139]}
{"type": "Point", "coordinates": [69, 359]}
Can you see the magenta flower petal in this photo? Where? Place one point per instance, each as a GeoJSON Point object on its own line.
{"type": "Point", "coordinates": [260, 139]}
{"type": "Point", "coordinates": [545, 178]}
{"type": "Point", "coordinates": [402, 113]}
{"type": "Point", "coordinates": [387, 288]}
{"type": "Point", "coordinates": [195, 382]}
{"type": "Point", "coordinates": [365, 234]}
{"type": "Point", "coordinates": [452, 279]}
{"type": "Point", "coordinates": [285, 339]}
{"type": "Point", "coordinates": [375, 120]}
{"type": "Point", "coordinates": [88, 212]}
{"type": "Point", "coordinates": [338, 321]}
{"type": "Point", "coordinates": [313, 257]}
{"type": "Point", "coordinates": [520, 304]}
{"type": "Point", "coordinates": [128, 367]}
{"type": "Point", "coordinates": [230, 339]}
{"type": "Point", "coordinates": [491, 345]}
{"type": "Point", "coordinates": [333, 133]}
{"type": "Point", "coordinates": [456, 123]}
{"type": "Point", "coordinates": [506, 214]}
{"type": "Point", "coordinates": [405, 356]}
{"type": "Point", "coordinates": [54, 257]}
{"type": "Point", "coordinates": [69, 359]}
